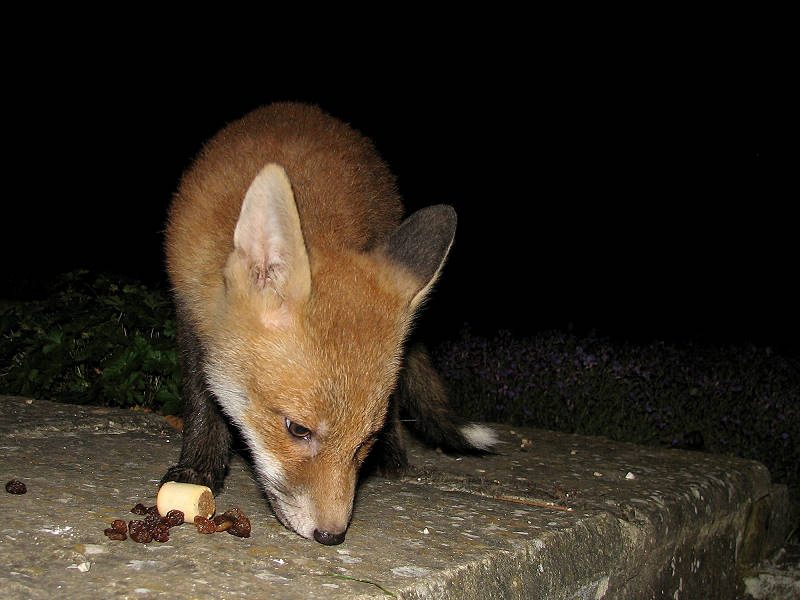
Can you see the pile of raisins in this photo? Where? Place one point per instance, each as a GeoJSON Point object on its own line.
{"type": "Point", "coordinates": [233, 521]}
{"type": "Point", "coordinates": [154, 527]}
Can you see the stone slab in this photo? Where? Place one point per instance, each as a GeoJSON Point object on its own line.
{"type": "Point", "coordinates": [626, 521]}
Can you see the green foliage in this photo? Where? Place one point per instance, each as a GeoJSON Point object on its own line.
{"type": "Point", "coordinates": [93, 340]}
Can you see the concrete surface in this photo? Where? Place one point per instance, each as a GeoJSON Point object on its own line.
{"type": "Point", "coordinates": [776, 578]}
{"type": "Point", "coordinates": [644, 522]}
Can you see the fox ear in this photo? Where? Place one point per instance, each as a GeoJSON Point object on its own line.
{"type": "Point", "coordinates": [420, 245]}
{"type": "Point", "coordinates": [268, 241]}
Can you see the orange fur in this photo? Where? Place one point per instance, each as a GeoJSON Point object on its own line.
{"type": "Point", "coordinates": [323, 354]}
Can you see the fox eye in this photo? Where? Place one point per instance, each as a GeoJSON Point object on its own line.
{"type": "Point", "coordinates": [296, 429]}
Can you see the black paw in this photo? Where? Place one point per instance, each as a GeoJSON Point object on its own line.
{"type": "Point", "coordinates": [183, 474]}
{"type": "Point", "coordinates": [393, 471]}
{"type": "Point", "coordinates": [392, 464]}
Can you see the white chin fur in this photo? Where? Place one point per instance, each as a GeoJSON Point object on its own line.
{"type": "Point", "coordinates": [479, 436]}
{"type": "Point", "coordinates": [294, 517]}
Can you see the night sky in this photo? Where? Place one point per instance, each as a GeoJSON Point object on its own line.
{"type": "Point", "coordinates": [643, 203]}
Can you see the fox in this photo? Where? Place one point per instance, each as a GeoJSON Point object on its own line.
{"type": "Point", "coordinates": [296, 280]}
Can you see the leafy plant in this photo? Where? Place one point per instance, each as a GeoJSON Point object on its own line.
{"type": "Point", "coordinates": [94, 340]}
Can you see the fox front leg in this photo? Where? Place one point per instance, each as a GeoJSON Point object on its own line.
{"type": "Point", "coordinates": [205, 454]}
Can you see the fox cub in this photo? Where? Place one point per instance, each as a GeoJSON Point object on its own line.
{"type": "Point", "coordinates": [296, 281]}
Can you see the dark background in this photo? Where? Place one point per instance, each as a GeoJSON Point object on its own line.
{"type": "Point", "coordinates": [639, 193]}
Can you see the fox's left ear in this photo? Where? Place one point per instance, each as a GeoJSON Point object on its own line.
{"type": "Point", "coordinates": [420, 246]}
{"type": "Point", "coordinates": [269, 260]}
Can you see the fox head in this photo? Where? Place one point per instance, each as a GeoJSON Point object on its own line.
{"type": "Point", "coordinates": [308, 344]}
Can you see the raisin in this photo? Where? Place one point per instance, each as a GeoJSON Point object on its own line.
{"type": "Point", "coordinates": [16, 487]}
{"type": "Point", "coordinates": [241, 528]}
{"type": "Point", "coordinates": [139, 532]}
{"type": "Point", "coordinates": [119, 525]}
{"type": "Point", "coordinates": [142, 536]}
{"type": "Point", "coordinates": [204, 525]}
{"type": "Point", "coordinates": [153, 510]}
{"type": "Point", "coordinates": [151, 520]}
{"type": "Point", "coordinates": [160, 532]}
{"type": "Point", "coordinates": [174, 517]}
{"type": "Point", "coordinates": [114, 534]}
{"type": "Point", "coordinates": [234, 514]}
{"type": "Point", "coordinates": [134, 525]}
{"type": "Point", "coordinates": [139, 509]}
{"type": "Point", "coordinates": [222, 523]}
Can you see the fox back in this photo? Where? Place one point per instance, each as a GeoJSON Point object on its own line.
{"type": "Point", "coordinates": [295, 283]}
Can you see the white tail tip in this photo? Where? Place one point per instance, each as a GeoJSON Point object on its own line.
{"type": "Point", "coordinates": [480, 436]}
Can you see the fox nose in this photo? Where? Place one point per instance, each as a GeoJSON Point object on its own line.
{"type": "Point", "coordinates": [328, 538]}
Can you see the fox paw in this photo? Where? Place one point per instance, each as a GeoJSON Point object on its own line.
{"type": "Point", "coordinates": [390, 462]}
{"type": "Point", "coordinates": [392, 470]}
{"type": "Point", "coordinates": [183, 474]}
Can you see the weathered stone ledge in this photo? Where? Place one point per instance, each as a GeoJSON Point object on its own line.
{"type": "Point", "coordinates": [628, 521]}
